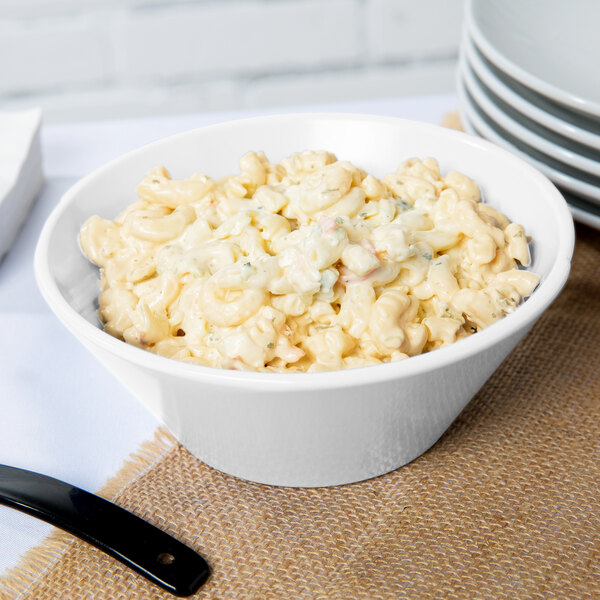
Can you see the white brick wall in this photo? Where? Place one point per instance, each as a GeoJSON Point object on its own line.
{"type": "Point", "coordinates": [237, 39]}
{"type": "Point", "coordinates": [408, 30]}
{"type": "Point", "coordinates": [353, 84]}
{"type": "Point", "coordinates": [45, 54]}
{"type": "Point", "coordinates": [95, 59]}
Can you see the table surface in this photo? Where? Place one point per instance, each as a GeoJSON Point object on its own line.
{"type": "Point", "coordinates": [62, 413]}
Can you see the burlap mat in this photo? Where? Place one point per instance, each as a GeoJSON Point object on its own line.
{"type": "Point", "coordinates": [505, 505]}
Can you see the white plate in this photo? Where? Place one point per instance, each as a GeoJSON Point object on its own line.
{"type": "Point", "coordinates": [551, 46]}
{"type": "Point", "coordinates": [582, 211]}
{"type": "Point", "coordinates": [538, 108]}
{"type": "Point", "coordinates": [568, 180]}
{"type": "Point", "coordinates": [544, 140]}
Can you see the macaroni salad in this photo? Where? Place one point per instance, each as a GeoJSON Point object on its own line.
{"type": "Point", "coordinates": [307, 265]}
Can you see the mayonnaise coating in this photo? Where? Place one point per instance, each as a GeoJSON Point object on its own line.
{"type": "Point", "coordinates": [311, 264]}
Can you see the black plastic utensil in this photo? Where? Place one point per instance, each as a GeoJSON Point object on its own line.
{"type": "Point", "coordinates": [151, 552]}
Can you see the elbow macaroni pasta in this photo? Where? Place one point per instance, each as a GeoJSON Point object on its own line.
{"type": "Point", "coordinates": [306, 265]}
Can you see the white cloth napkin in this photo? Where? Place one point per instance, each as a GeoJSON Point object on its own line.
{"type": "Point", "coordinates": [21, 175]}
{"type": "Point", "coordinates": [61, 412]}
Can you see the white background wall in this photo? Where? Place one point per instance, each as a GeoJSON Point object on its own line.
{"type": "Point", "coordinates": [96, 59]}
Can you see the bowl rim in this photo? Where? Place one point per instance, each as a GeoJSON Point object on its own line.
{"type": "Point", "coordinates": [526, 314]}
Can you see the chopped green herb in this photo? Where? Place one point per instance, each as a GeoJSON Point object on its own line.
{"type": "Point", "coordinates": [339, 220]}
{"type": "Point", "coordinates": [270, 345]}
{"type": "Point", "coordinates": [402, 204]}
{"type": "Point", "coordinates": [363, 214]}
{"type": "Point", "coordinates": [493, 315]}
{"type": "Point", "coordinates": [518, 234]}
{"type": "Point", "coordinates": [247, 264]}
{"type": "Point", "coordinates": [438, 263]}
{"type": "Point", "coordinates": [427, 256]}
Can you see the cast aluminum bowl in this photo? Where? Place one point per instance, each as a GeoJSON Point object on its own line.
{"type": "Point", "coordinates": [298, 429]}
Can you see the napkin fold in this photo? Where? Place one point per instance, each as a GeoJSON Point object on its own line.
{"type": "Point", "coordinates": [21, 175]}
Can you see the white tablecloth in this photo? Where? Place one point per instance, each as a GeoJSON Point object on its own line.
{"type": "Point", "coordinates": [62, 414]}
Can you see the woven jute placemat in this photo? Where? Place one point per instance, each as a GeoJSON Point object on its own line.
{"type": "Point", "coordinates": [505, 505]}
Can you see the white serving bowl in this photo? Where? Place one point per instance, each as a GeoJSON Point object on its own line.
{"type": "Point", "coordinates": [300, 429]}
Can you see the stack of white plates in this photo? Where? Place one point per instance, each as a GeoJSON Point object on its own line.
{"type": "Point", "coordinates": [529, 80]}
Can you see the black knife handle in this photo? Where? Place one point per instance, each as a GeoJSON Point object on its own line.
{"type": "Point", "coordinates": [151, 552]}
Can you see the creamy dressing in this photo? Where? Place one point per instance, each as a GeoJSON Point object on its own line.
{"type": "Point", "coordinates": [307, 265]}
